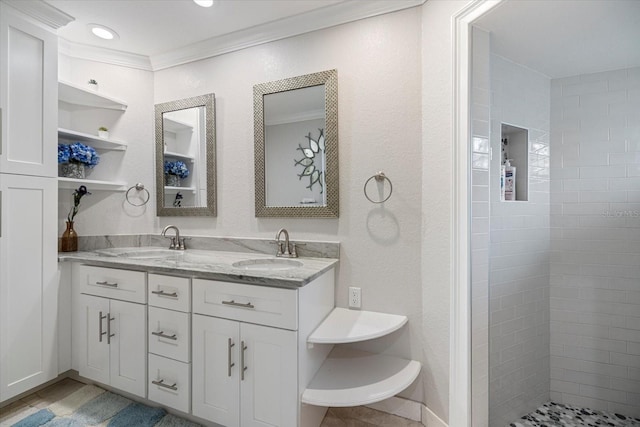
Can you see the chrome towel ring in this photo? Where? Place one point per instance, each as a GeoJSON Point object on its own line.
{"type": "Point", "coordinates": [139, 187]}
{"type": "Point", "coordinates": [379, 177]}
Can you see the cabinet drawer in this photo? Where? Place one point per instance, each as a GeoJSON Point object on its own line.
{"type": "Point", "coordinates": [169, 382]}
{"type": "Point", "coordinates": [170, 292]}
{"type": "Point", "coordinates": [169, 333]}
{"type": "Point", "coordinates": [113, 283]}
{"type": "Point", "coordinates": [246, 303]}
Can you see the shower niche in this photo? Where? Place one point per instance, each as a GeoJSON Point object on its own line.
{"type": "Point", "coordinates": [514, 163]}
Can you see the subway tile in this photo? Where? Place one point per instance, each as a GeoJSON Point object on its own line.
{"type": "Point", "coordinates": [586, 378]}
{"type": "Point", "coordinates": [602, 393]}
{"type": "Point", "coordinates": [584, 353]}
{"type": "Point", "coordinates": [629, 360]}
{"type": "Point", "coordinates": [601, 172]}
{"type": "Point", "coordinates": [582, 88]}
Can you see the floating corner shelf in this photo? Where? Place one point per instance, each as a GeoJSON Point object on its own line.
{"type": "Point", "coordinates": [344, 326]}
{"type": "Point", "coordinates": [91, 184]}
{"type": "Point", "coordinates": [74, 94]}
{"type": "Point", "coordinates": [93, 140]}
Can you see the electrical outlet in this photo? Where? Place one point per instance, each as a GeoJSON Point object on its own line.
{"type": "Point", "coordinates": [355, 297]}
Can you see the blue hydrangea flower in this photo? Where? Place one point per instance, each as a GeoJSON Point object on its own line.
{"type": "Point", "coordinates": [84, 154]}
{"type": "Point", "coordinates": [177, 168]}
{"type": "Point", "coordinates": [64, 153]}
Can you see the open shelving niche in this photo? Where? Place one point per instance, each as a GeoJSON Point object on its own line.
{"type": "Point", "coordinates": [351, 377]}
{"type": "Point", "coordinates": [77, 96]}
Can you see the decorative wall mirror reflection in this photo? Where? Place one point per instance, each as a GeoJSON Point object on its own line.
{"type": "Point", "coordinates": [296, 146]}
{"type": "Point", "coordinates": [185, 157]}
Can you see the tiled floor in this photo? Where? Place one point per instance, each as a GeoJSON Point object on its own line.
{"type": "Point", "coordinates": [557, 415]}
{"type": "Point", "coordinates": [336, 417]}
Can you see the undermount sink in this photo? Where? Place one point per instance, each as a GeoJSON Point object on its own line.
{"type": "Point", "coordinates": [140, 253]}
{"type": "Point", "coordinates": [267, 264]}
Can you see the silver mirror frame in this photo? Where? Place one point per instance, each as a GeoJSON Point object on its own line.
{"type": "Point", "coordinates": [207, 101]}
{"type": "Point", "coordinates": [330, 81]}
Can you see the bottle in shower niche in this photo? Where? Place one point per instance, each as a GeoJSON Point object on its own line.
{"type": "Point", "coordinates": [509, 181]}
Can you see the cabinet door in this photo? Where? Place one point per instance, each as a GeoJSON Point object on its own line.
{"type": "Point", "coordinates": [269, 390]}
{"type": "Point", "coordinates": [28, 282]}
{"type": "Point", "coordinates": [215, 379]}
{"type": "Point", "coordinates": [28, 96]}
{"type": "Point", "coordinates": [128, 347]}
{"type": "Point", "coordinates": [93, 345]}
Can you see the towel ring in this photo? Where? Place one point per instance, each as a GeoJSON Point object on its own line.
{"type": "Point", "coordinates": [139, 187]}
{"type": "Point", "coordinates": [379, 177]}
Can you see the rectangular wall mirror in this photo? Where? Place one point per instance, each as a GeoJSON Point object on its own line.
{"type": "Point", "coordinates": [185, 157]}
{"type": "Point", "coordinates": [296, 146]}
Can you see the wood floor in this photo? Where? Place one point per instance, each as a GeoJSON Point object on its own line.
{"type": "Point", "coordinates": [336, 417]}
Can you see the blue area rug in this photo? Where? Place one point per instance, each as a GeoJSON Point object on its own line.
{"type": "Point", "coordinates": [91, 405]}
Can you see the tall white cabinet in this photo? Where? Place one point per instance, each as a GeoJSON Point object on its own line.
{"type": "Point", "coordinates": [28, 195]}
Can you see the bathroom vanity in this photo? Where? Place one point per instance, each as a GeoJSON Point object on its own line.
{"type": "Point", "coordinates": [219, 335]}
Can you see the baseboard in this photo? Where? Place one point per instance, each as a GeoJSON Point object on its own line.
{"type": "Point", "coordinates": [429, 419]}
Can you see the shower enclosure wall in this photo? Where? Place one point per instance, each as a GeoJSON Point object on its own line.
{"type": "Point", "coordinates": [555, 279]}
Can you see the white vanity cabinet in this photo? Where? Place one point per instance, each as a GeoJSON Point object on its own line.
{"type": "Point", "coordinates": [110, 341]}
{"type": "Point", "coordinates": [169, 336]}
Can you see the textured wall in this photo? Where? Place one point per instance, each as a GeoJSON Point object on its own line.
{"type": "Point", "coordinates": [519, 251]}
{"type": "Point", "coordinates": [595, 273]}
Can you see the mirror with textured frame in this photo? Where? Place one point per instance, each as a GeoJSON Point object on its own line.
{"type": "Point", "coordinates": [185, 157]}
{"type": "Point", "coordinates": [296, 146]}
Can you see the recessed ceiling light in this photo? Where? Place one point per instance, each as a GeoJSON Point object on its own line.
{"type": "Point", "coordinates": [204, 3]}
{"type": "Point", "coordinates": [103, 32]}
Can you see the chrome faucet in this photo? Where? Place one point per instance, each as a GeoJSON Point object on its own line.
{"type": "Point", "coordinates": [177, 242]}
{"type": "Point", "coordinates": [285, 249]}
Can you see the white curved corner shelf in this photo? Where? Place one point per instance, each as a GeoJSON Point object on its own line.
{"type": "Point", "coordinates": [175, 155]}
{"type": "Point", "coordinates": [91, 184]}
{"type": "Point", "coordinates": [171, 190]}
{"type": "Point", "coordinates": [173, 125]}
{"type": "Point", "coordinates": [93, 140]}
{"type": "Point", "coordinates": [352, 378]}
{"type": "Point", "coordinates": [344, 326]}
{"type": "Point", "coordinates": [74, 94]}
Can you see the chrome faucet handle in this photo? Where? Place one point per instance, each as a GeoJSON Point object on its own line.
{"type": "Point", "coordinates": [172, 245]}
{"type": "Point", "coordinates": [181, 246]}
{"type": "Point", "coordinates": [294, 251]}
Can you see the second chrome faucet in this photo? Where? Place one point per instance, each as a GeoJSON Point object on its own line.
{"type": "Point", "coordinates": [177, 242]}
{"type": "Point", "coordinates": [285, 249]}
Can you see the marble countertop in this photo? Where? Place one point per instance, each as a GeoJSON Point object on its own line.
{"type": "Point", "coordinates": [215, 265]}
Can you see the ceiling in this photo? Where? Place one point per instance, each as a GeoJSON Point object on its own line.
{"type": "Point", "coordinates": [165, 30]}
{"type": "Point", "coordinates": [568, 37]}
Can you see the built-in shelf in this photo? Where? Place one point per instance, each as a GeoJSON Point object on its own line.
{"type": "Point", "coordinates": [91, 184]}
{"type": "Point", "coordinates": [171, 190]}
{"type": "Point", "coordinates": [174, 155]}
{"type": "Point", "coordinates": [74, 94]}
{"type": "Point", "coordinates": [173, 125]}
{"type": "Point", "coordinates": [93, 140]}
{"type": "Point", "coordinates": [345, 326]}
{"type": "Point", "coordinates": [352, 378]}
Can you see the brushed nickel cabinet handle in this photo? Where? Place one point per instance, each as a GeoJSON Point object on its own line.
{"type": "Point", "coordinates": [105, 283]}
{"type": "Point", "coordinates": [230, 364]}
{"type": "Point", "coordinates": [1, 140]}
{"type": "Point", "coordinates": [109, 334]}
{"type": "Point", "coordinates": [161, 334]}
{"type": "Point", "coordinates": [100, 333]}
{"type": "Point", "coordinates": [165, 294]}
{"type": "Point", "coordinates": [237, 304]}
{"type": "Point", "coordinates": [242, 365]}
{"type": "Point", "coordinates": [162, 384]}
{"type": "Point", "coordinates": [0, 207]}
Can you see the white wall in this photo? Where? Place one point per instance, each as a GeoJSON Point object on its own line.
{"type": "Point", "coordinates": [519, 250]}
{"type": "Point", "coordinates": [379, 79]}
{"type": "Point", "coordinates": [595, 295]}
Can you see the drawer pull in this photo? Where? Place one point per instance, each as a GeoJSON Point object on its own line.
{"type": "Point", "coordinates": [161, 334]}
{"type": "Point", "coordinates": [237, 304]}
{"type": "Point", "coordinates": [100, 331]}
{"type": "Point", "coordinates": [165, 294]}
{"type": "Point", "coordinates": [230, 365]}
{"type": "Point", "coordinates": [242, 365]}
{"type": "Point", "coordinates": [162, 384]}
{"type": "Point", "coordinates": [105, 283]}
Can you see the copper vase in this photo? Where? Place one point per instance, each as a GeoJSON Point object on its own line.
{"type": "Point", "coordinates": [69, 239]}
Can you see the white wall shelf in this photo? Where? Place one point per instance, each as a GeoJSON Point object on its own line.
{"type": "Point", "coordinates": [174, 155]}
{"type": "Point", "coordinates": [74, 94]}
{"type": "Point", "coordinates": [174, 125]}
{"type": "Point", "coordinates": [352, 378]}
{"type": "Point", "coordinates": [93, 140]}
{"type": "Point", "coordinates": [91, 184]}
{"type": "Point", "coordinates": [173, 190]}
{"type": "Point", "coordinates": [345, 326]}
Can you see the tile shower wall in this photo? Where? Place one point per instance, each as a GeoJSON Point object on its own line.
{"type": "Point", "coordinates": [480, 104]}
{"type": "Point", "coordinates": [595, 262]}
{"type": "Point", "coordinates": [519, 251]}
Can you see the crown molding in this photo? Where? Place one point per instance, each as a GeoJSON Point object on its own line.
{"type": "Point", "coordinates": [330, 16]}
{"type": "Point", "coordinates": [100, 54]}
{"type": "Point", "coordinates": [41, 11]}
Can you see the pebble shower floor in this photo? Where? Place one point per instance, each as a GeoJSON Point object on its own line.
{"type": "Point", "coordinates": [558, 415]}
